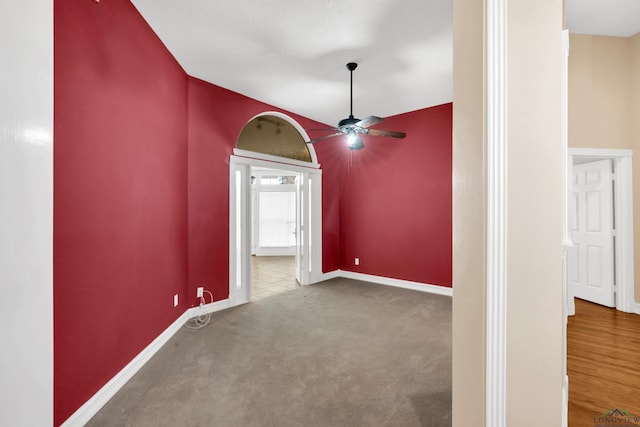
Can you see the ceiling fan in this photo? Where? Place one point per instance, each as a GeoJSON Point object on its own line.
{"type": "Point", "coordinates": [352, 127]}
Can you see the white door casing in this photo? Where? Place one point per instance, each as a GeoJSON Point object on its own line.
{"type": "Point", "coordinates": [566, 238]}
{"type": "Point", "coordinates": [299, 229]}
{"type": "Point", "coordinates": [623, 220]}
{"type": "Point", "coordinates": [308, 270]}
{"type": "Point", "coordinates": [591, 262]}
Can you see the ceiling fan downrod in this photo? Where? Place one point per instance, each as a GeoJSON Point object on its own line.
{"type": "Point", "coordinates": [351, 66]}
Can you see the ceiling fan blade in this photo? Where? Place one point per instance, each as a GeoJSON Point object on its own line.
{"type": "Point", "coordinates": [322, 138]}
{"type": "Point", "coordinates": [323, 129]}
{"type": "Point", "coordinates": [390, 133]}
{"type": "Point", "coordinates": [369, 121]}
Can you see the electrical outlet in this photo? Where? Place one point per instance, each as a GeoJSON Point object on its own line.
{"type": "Point", "coordinates": [200, 292]}
{"type": "Point", "coordinates": [357, 261]}
{"type": "Point", "coordinates": [175, 300]}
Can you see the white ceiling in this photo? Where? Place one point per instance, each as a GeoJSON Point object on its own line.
{"type": "Point", "coordinates": [292, 54]}
{"type": "Point", "coordinates": [619, 18]}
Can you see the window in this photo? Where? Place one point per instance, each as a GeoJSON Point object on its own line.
{"type": "Point", "coordinates": [277, 179]}
{"type": "Point", "coordinates": [277, 219]}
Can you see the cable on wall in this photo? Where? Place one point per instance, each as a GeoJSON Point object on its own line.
{"type": "Point", "coordinates": [203, 319]}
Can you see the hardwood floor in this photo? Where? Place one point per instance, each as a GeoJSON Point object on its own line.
{"type": "Point", "coordinates": [603, 363]}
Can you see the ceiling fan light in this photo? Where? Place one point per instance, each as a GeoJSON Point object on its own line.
{"type": "Point", "coordinates": [357, 146]}
{"type": "Point", "coordinates": [354, 142]}
{"type": "Point", "coordinates": [352, 136]}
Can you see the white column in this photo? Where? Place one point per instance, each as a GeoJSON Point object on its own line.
{"type": "Point", "coordinates": [496, 311]}
{"type": "Point", "coordinates": [26, 213]}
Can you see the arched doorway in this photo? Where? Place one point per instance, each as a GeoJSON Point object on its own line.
{"type": "Point", "coordinates": [274, 141]}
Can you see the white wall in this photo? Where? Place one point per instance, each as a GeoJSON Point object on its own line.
{"type": "Point", "coordinates": [26, 213]}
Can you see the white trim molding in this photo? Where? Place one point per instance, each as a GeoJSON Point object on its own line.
{"type": "Point", "coordinates": [604, 153]}
{"type": "Point", "coordinates": [496, 170]}
{"type": "Point", "coordinates": [273, 161]}
{"type": "Point", "coordinates": [330, 275]}
{"type": "Point", "coordinates": [388, 281]}
{"type": "Point", "coordinates": [566, 237]}
{"type": "Point", "coordinates": [102, 396]}
{"type": "Point", "coordinates": [565, 400]}
{"type": "Point", "coordinates": [208, 308]}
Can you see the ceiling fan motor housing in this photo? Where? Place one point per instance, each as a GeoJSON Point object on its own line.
{"type": "Point", "coordinates": [346, 124]}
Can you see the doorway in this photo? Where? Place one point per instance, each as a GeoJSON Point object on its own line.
{"type": "Point", "coordinates": [599, 200]}
{"type": "Point", "coordinates": [287, 136]}
{"type": "Point", "coordinates": [275, 224]}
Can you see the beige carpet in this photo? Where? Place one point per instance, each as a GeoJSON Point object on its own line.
{"type": "Point", "coordinates": [339, 353]}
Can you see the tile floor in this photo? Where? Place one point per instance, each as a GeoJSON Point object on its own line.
{"type": "Point", "coordinates": [271, 275]}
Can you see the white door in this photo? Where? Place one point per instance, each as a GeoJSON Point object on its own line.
{"type": "Point", "coordinates": [591, 260]}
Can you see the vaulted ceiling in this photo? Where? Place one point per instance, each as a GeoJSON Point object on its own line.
{"type": "Point", "coordinates": [292, 54]}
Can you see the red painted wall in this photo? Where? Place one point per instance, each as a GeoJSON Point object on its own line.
{"type": "Point", "coordinates": [120, 194]}
{"type": "Point", "coordinates": [141, 200]}
{"type": "Point", "coordinates": [141, 154]}
{"type": "Point", "coordinates": [395, 201]}
{"type": "Point", "coordinates": [216, 118]}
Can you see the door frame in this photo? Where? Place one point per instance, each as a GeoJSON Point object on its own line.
{"type": "Point", "coordinates": [240, 204]}
{"type": "Point", "coordinates": [623, 218]}
{"type": "Point", "coordinates": [592, 223]}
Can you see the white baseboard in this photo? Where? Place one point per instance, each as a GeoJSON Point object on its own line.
{"type": "Point", "coordinates": [571, 307]}
{"type": "Point", "coordinates": [98, 400]}
{"type": "Point", "coordinates": [565, 402]}
{"type": "Point", "coordinates": [635, 308]}
{"type": "Point", "coordinates": [398, 283]}
{"type": "Point", "coordinates": [330, 275]}
{"type": "Point", "coordinates": [208, 308]}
